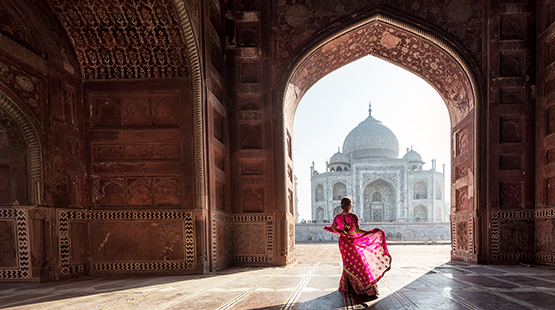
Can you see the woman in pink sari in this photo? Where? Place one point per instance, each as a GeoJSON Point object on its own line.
{"type": "Point", "coordinates": [364, 253]}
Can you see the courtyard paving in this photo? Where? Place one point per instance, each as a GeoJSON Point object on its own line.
{"type": "Point", "coordinates": [422, 277]}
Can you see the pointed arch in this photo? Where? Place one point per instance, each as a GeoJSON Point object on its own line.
{"type": "Point", "coordinates": [33, 146]}
{"type": "Point", "coordinates": [380, 33]}
{"type": "Point", "coordinates": [197, 98]}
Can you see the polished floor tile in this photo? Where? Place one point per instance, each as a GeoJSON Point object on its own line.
{"type": "Point", "coordinates": [422, 277]}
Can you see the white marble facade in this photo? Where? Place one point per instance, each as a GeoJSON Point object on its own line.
{"type": "Point", "coordinates": [384, 188]}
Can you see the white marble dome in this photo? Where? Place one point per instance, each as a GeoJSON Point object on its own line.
{"type": "Point", "coordinates": [339, 158]}
{"type": "Point", "coordinates": [412, 156]}
{"type": "Point", "coordinates": [371, 139]}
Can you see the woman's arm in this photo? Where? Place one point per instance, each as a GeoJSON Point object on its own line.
{"type": "Point", "coordinates": [360, 231]}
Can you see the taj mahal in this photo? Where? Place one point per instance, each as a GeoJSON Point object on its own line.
{"type": "Point", "coordinates": [384, 187]}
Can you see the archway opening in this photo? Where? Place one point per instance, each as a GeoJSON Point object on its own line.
{"type": "Point", "coordinates": [434, 59]}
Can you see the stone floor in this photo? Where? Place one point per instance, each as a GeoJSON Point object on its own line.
{"type": "Point", "coordinates": [422, 277]}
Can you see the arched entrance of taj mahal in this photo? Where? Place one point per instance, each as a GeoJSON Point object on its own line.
{"type": "Point", "coordinates": [158, 135]}
{"type": "Point", "coordinates": [423, 53]}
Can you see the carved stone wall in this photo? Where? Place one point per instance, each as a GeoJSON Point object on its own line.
{"type": "Point", "coordinates": [545, 138]}
{"type": "Point", "coordinates": [125, 242]}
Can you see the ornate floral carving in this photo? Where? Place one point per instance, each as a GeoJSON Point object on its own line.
{"type": "Point", "coordinates": [462, 199]}
{"type": "Point", "coordinates": [125, 40]}
{"type": "Point", "coordinates": [253, 200]}
{"type": "Point", "coordinates": [298, 21]}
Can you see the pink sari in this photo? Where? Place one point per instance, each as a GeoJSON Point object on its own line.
{"type": "Point", "coordinates": [365, 256]}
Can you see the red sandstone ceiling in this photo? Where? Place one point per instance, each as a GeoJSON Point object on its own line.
{"type": "Point", "coordinates": [119, 39]}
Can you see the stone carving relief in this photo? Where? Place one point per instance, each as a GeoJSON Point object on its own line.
{"type": "Point", "coordinates": [411, 52]}
{"type": "Point", "coordinates": [462, 235]}
{"type": "Point", "coordinates": [135, 151]}
{"type": "Point", "coordinates": [140, 192]}
{"type": "Point", "coordinates": [516, 236]}
{"type": "Point", "coordinates": [250, 103]}
{"type": "Point", "coordinates": [247, 239]}
{"type": "Point", "coordinates": [26, 86]}
{"type": "Point", "coordinates": [510, 129]}
{"type": "Point", "coordinates": [298, 21]}
{"type": "Point", "coordinates": [127, 241]}
{"type": "Point", "coordinates": [256, 241]}
{"type": "Point", "coordinates": [253, 200]}
{"type": "Point", "coordinates": [110, 192]}
{"type": "Point", "coordinates": [370, 176]}
{"type": "Point", "coordinates": [508, 229]}
{"type": "Point", "coordinates": [510, 195]}
{"type": "Point", "coordinates": [125, 40]}
{"type": "Point", "coordinates": [252, 168]}
{"type": "Point", "coordinates": [461, 171]}
{"type": "Point", "coordinates": [462, 199]}
{"type": "Point", "coordinates": [124, 191]}
{"type": "Point", "coordinates": [462, 141]}
{"type": "Point", "coordinates": [134, 111]}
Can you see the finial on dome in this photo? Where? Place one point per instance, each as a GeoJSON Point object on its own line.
{"type": "Point", "coordinates": [370, 108]}
{"type": "Point", "coordinates": [338, 150]}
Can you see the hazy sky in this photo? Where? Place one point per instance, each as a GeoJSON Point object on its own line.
{"type": "Point", "coordinates": [336, 104]}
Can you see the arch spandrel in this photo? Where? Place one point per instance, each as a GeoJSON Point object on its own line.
{"type": "Point", "coordinates": [409, 50]}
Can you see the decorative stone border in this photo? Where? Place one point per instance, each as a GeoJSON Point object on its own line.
{"type": "Point", "coordinates": [64, 216]}
{"type": "Point", "coordinates": [270, 228]}
{"type": "Point", "coordinates": [495, 237]}
{"type": "Point", "coordinates": [23, 270]}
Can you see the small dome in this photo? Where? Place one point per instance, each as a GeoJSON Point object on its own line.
{"type": "Point", "coordinates": [339, 158]}
{"type": "Point", "coordinates": [412, 156]}
{"type": "Point", "coordinates": [371, 139]}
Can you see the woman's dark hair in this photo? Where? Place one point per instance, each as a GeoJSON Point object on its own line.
{"type": "Point", "coordinates": [346, 202]}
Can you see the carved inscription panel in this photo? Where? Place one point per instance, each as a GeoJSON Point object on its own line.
{"type": "Point", "coordinates": [134, 111]}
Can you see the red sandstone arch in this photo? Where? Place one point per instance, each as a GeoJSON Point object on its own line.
{"type": "Point", "coordinates": [35, 181]}
{"type": "Point", "coordinates": [422, 52]}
